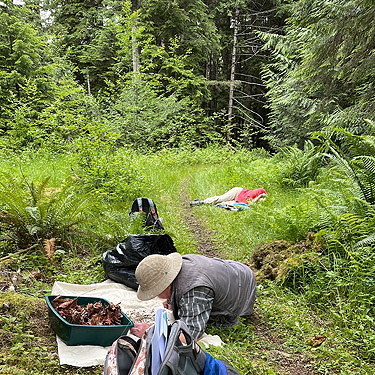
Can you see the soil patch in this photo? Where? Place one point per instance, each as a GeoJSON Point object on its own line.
{"type": "Point", "coordinates": [202, 235]}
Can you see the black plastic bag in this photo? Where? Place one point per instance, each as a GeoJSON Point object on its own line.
{"type": "Point", "coordinates": [120, 263]}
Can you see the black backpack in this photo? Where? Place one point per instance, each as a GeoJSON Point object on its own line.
{"type": "Point", "coordinates": [151, 218]}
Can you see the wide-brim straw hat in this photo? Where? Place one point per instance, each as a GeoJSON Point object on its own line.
{"type": "Point", "coordinates": [155, 273]}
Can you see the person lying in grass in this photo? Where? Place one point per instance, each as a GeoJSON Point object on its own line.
{"type": "Point", "coordinates": [198, 290]}
{"type": "Point", "coordinates": [234, 195]}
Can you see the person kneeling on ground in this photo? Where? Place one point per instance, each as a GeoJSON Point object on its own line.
{"type": "Point", "coordinates": [199, 290]}
{"type": "Point", "coordinates": [234, 195]}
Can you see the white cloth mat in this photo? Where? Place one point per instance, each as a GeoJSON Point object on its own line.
{"type": "Point", "coordinates": [92, 355]}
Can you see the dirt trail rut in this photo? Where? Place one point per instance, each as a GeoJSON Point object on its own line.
{"type": "Point", "coordinates": [202, 235]}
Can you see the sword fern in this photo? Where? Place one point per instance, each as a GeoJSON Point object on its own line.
{"type": "Point", "coordinates": [33, 213]}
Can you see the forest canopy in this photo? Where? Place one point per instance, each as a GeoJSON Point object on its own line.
{"type": "Point", "coordinates": [167, 74]}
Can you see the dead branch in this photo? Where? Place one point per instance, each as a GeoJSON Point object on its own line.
{"type": "Point", "coordinates": [18, 252]}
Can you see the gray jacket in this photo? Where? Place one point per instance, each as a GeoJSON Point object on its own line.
{"type": "Point", "coordinates": [233, 283]}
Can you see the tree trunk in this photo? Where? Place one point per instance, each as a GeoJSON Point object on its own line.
{"type": "Point", "coordinates": [135, 50]}
{"type": "Point", "coordinates": [88, 82]}
{"type": "Point", "coordinates": [232, 73]}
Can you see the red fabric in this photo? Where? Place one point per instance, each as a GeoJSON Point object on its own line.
{"type": "Point", "coordinates": [246, 194]}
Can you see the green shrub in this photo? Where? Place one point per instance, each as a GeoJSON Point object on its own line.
{"type": "Point", "coordinates": [104, 168]}
{"type": "Point", "coordinates": [32, 213]}
{"type": "Point", "coordinates": [148, 120]}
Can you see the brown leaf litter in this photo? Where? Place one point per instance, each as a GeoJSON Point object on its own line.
{"type": "Point", "coordinates": [94, 314]}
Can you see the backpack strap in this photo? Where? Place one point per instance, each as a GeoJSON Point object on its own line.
{"type": "Point", "coordinates": [142, 361]}
{"type": "Point", "coordinates": [148, 340]}
{"type": "Point", "coordinates": [140, 206]}
{"type": "Point", "coordinates": [151, 203]}
{"type": "Point", "coordinates": [180, 359]}
{"type": "Point", "coordinates": [153, 212]}
{"type": "Point", "coordinates": [152, 208]}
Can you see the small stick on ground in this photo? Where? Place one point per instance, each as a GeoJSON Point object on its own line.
{"type": "Point", "coordinates": [18, 252]}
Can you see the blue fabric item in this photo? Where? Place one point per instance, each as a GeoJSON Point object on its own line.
{"type": "Point", "coordinates": [159, 340]}
{"type": "Point", "coordinates": [241, 206]}
{"type": "Point", "coordinates": [235, 206]}
{"type": "Point", "coordinates": [214, 366]}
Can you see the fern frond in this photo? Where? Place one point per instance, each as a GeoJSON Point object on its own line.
{"type": "Point", "coordinates": [301, 166]}
{"type": "Point", "coordinates": [368, 241]}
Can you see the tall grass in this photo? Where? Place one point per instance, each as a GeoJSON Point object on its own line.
{"type": "Point", "coordinates": [37, 165]}
{"type": "Point", "coordinates": [285, 214]}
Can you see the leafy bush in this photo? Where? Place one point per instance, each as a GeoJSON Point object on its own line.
{"type": "Point", "coordinates": [212, 154]}
{"type": "Point", "coordinates": [148, 120]}
{"type": "Point", "coordinates": [61, 123]}
{"type": "Point", "coordinates": [103, 167]}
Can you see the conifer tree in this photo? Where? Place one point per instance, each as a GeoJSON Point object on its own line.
{"type": "Point", "coordinates": [25, 65]}
{"type": "Point", "coordinates": [323, 69]}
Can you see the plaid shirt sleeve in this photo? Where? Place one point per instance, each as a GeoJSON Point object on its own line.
{"type": "Point", "coordinates": [194, 309]}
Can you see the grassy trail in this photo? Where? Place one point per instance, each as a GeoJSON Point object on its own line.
{"type": "Point", "coordinates": [283, 337]}
{"type": "Point", "coordinates": [261, 338]}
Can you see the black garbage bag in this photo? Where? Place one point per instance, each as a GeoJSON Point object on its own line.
{"type": "Point", "coordinates": [120, 263]}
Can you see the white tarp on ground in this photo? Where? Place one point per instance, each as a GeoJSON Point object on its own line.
{"type": "Point", "coordinates": [91, 355]}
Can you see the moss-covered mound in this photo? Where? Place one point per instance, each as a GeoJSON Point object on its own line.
{"type": "Point", "coordinates": [274, 260]}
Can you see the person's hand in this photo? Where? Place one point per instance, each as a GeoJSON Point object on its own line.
{"type": "Point", "coordinates": [260, 197]}
{"type": "Point", "coordinates": [263, 197]}
{"type": "Point", "coordinates": [139, 329]}
{"type": "Point", "coordinates": [167, 305]}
